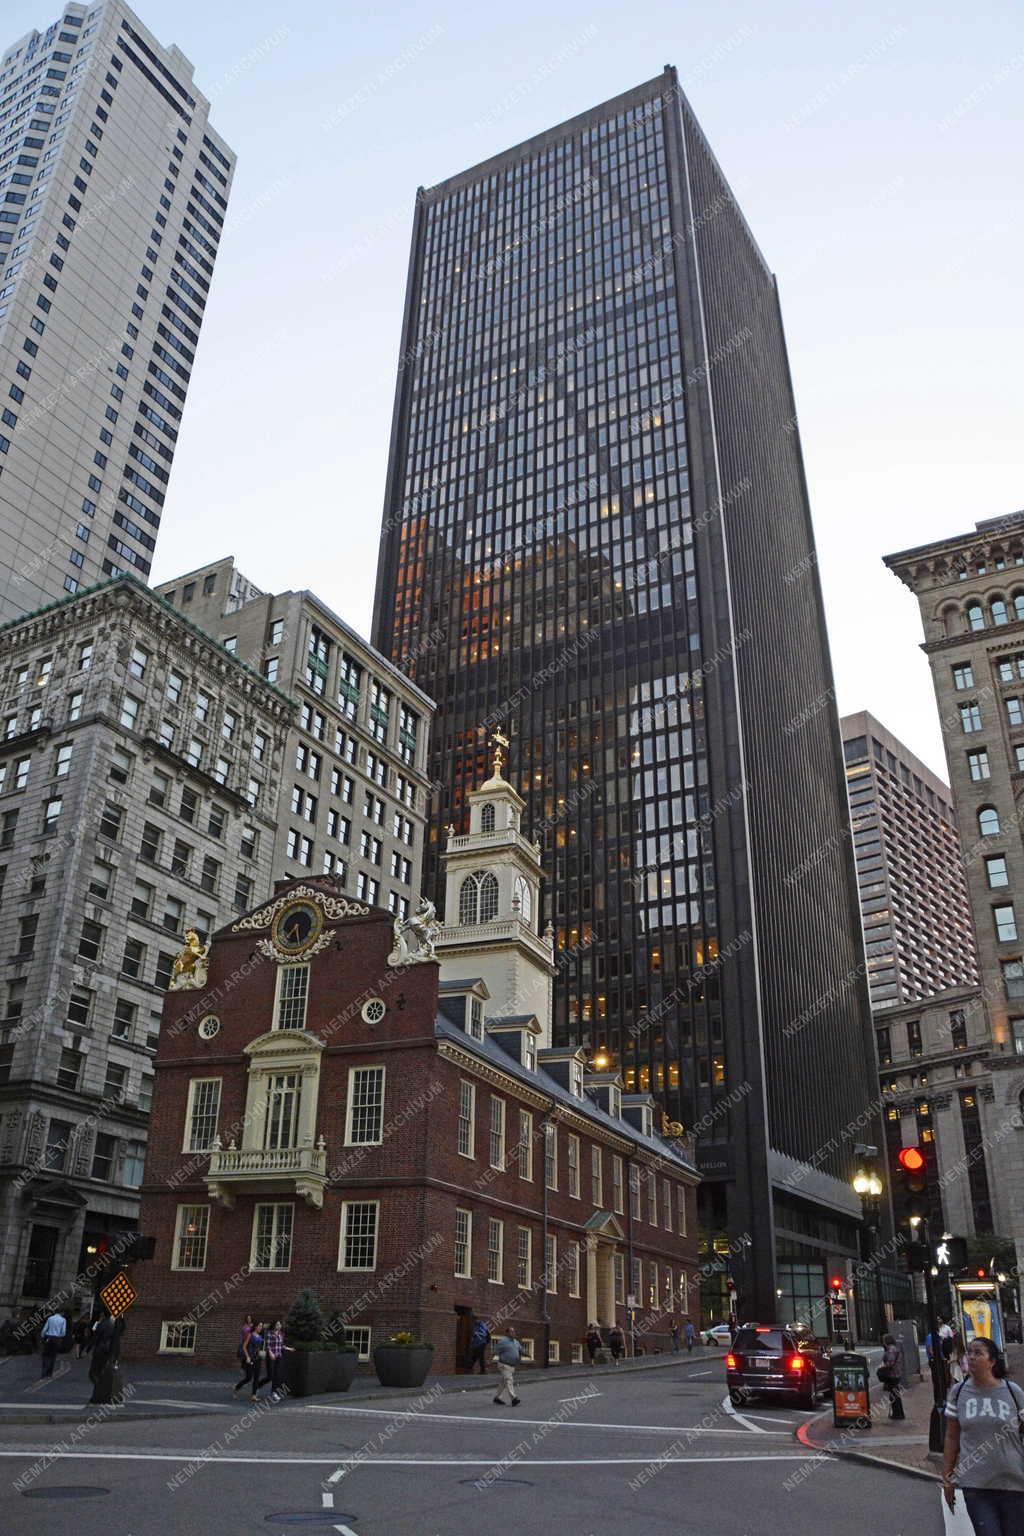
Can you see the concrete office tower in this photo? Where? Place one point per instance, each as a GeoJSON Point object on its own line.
{"type": "Point", "coordinates": [354, 788]}
{"type": "Point", "coordinates": [140, 772]}
{"type": "Point", "coordinates": [113, 190]}
{"type": "Point", "coordinates": [597, 537]}
{"type": "Point", "coordinates": [918, 938]}
{"type": "Point", "coordinates": [970, 588]}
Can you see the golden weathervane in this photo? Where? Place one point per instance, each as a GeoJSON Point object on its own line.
{"type": "Point", "coordinates": [500, 744]}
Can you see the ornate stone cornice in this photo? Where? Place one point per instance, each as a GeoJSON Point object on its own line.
{"type": "Point", "coordinates": [333, 907]}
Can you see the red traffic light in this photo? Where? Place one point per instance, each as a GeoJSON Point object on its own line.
{"type": "Point", "coordinates": [836, 1282]}
{"type": "Point", "coordinates": [911, 1158]}
{"type": "Point", "coordinates": [980, 1274]}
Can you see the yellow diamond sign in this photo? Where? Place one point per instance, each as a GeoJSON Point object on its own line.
{"type": "Point", "coordinates": [118, 1295]}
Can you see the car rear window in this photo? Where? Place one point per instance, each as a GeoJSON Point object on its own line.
{"type": "Point", "coordinates": [750, 1340]}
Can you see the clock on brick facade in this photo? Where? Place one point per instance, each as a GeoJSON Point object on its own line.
{"type": "Point", "coordinates": [296, 927]}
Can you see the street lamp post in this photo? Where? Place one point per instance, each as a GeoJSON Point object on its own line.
{"type": "Point", "coordinates": [868, 1186]}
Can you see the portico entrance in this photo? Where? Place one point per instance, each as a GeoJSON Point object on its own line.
{"type": "Point", "coordinates": [604, 1239]}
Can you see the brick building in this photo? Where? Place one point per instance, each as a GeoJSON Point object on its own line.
{"type": "Point", "coordinates": [339, 1110]}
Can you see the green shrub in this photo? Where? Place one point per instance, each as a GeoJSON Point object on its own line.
{"type": "Point", "coordinates": [304, 1324]}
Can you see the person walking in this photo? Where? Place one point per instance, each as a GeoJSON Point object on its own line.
{"type": "Point", "coordinates": [54, 1332]}
{"type": "Point", "coordinates": [983, 1454]}
{"type": "Point", "coordinates": [674, 1335]}
{"type": "Point", "coordinates": [83, 1335]}
{"type": "Point", "coordinates": [508, 1352]}
{"type": "Point", "coordinates": [478, 1342]}
{"type": "Point", "coordinates": [616, 1343]}
{"type": "Point", "coordinates": [106, 1350]}
{"type": "Point", "coordinates": [252, 1354]}
{"type": "Point", "coordinates": [276, 1348]}
{"type": "Point", "coordinates": [592, 1339]}
{"type": "Point", "coordinates": [691, 1334]}
{"type": "Point", "coordinates": [890, 1374]}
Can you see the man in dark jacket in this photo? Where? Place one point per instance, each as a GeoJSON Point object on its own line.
{"type": "Point", "coordinates": [478, 1342]}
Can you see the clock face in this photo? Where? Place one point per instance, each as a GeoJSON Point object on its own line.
{"type": "Point", "coordinates": [297, 926]}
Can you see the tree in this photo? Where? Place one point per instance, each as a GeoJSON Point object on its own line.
{"type": "Point", "coordinates": [305, 1321]}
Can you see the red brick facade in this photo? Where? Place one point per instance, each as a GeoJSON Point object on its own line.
{"type": "Point", "coordinates": [414, 1170]}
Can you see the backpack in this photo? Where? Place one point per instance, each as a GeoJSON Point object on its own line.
{"type": "Point", "coordinates": [481, 1335]}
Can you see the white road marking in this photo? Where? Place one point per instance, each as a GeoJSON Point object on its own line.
{"type": "Point", "coordinates": [327, 1500]}
{"type": "Point", "coordinates": [771, 1418]}
{"type": "Point", "coordinates": [731, 1411]}
{"type": "Point", "coordinates": [700, 1373]}
{"type": "Point", "coordinates": [468, 1418]}
{"type": "Point", "coordinates": [336, 1477]}
{"type": "Point", "coordinates": [346, 1530]}
{"type": "Point", "coordinates": [584, 1399]}
{"type": "Point", "coordinates": [406, 1461]}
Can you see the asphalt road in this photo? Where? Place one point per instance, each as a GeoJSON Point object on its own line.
{"type": "Point", "coordinates": [654, 1454]}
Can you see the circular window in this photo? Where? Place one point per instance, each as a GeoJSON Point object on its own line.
{"type": "Point", "coordinates": [374, 1010]}
{"type": "Point", "coordinates": [209, 1026]}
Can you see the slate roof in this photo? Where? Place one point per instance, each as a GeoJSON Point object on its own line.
{"type": "Point", "coordinates": [490, 1052]}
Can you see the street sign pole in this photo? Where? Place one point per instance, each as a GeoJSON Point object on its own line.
{"type": "Point", "coordinates": [936, 1423]}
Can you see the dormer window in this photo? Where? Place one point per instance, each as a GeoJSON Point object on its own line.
{"type": "Point", "coordinates": [487, 815]}
{"type": "Point", "coordinates": [576, 1078]}
{"type": "Point", "coordinates": [524, 899]}
{"type": "Point", "coordinates": [529, 1051]}
{"type": "Point", "coordinates": [476, 1018]}
{"type": "Point", "coordinates": [646, 1121]}
{"type": "Point", "coordinates": [615, 1103]}
{"type": "Point", "coordinates": [478, 897]}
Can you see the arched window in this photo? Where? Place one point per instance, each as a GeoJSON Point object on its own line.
{"type": "Point", "coordinates": [478, 897]}
{"type": "Point", "coordinates": [975, 616]}
{"type": "Point", "coordinates": [525, 899]}
{"type": "Point", "coordinates": [999, 613]}
{"type": "Point", "coordinates": [487, 818]}
{"type": "Point", "coordinates": [1018, 605]}
{"type": "Point", "coordinates": [988, 821]}
{"type": "Point", "coordinates": [952, 623]}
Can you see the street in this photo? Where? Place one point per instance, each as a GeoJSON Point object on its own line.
{"type": "Point", "coordinates": [662, 1450]}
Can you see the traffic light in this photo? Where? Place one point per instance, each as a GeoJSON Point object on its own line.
{"type": "Point", "coordinates": [914, 1180]}
{"type": "Point", "coordinates": [836, 1282]}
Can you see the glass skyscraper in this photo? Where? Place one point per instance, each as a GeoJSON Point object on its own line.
{"type": "Point", "coordinates": [597, 539]}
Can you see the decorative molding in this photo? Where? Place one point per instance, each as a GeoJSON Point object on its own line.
{"type": "Point", "coordinates": [270, 951]}
{"type": "Point", "coordinates": [333, 907]}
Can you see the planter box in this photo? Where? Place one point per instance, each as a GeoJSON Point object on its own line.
{"type": "Point", "coordinates": [403, 1365]}
{"type": "Point", "coordinates": [308, 1372]}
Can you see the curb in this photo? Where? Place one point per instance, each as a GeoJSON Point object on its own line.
{"type": "Point", "coordinates": [803, 1431]}
{"type": "Point", "coordinates": [66, 1413]}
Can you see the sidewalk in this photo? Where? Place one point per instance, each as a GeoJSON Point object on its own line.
{"type": "Point", "coordinates": [179, 1389]}
{"type": "Point", "coordinates": [892, 1443]}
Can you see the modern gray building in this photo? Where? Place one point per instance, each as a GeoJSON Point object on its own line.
{"type": "Point", "coordinates": [918, 933]}
{"type": "Point", "coordinates": [597, 537]}
{"type": "Point", "coordinates": [354, 790]}
{"type": "Point", "coordinates": [113, 192]}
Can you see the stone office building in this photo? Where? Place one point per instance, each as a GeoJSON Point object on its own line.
{"type": "Point", "coordinates": [354, 794]}
{"type": "Point", "coordinates": [140, 771]}
{"type": "Point", "coordinates": [369, 1121]}
{"type": "Point", "coordinates": [970, 589]}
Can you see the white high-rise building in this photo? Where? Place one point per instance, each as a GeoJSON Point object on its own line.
{"type": "Point", "coordinates": [113, 191]}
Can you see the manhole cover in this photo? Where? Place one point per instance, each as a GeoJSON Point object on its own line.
{"type": "Point", "coordinates": [65, 1493]}
{"type": "Point", "coordinates": [494, 1482]}
{"type": "Point", "coordinates": [314, 1517]}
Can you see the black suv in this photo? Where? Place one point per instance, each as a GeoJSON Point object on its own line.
{"type": "Point", "coordinates": [774, 1358]}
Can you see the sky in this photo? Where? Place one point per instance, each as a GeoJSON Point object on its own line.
{"type": "Point", "coordinates": [875, 150]}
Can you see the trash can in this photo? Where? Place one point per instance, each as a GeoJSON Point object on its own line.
{"type": "Point", "coordinates": [851, 1399]}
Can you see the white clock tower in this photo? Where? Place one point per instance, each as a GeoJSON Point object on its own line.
{"type": "Point", "coordinates": [492, 906]}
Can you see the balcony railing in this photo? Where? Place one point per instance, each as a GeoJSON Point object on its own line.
{"type": "Point", "coordinates": [302, 1168]}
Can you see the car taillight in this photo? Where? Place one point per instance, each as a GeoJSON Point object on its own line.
{"type": "Point", "coordinates": [730, 1363]}
{"type": "Point", "coordinates": [795, 1362]}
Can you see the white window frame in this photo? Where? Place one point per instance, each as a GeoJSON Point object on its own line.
{"type": "Point", "coordinates": [666, 1204]}
{"type": "Point", "coordinates": [573, 1167]}
{"type": "Point", "coordinates": [346, 1206]}
{"type": "Point", "coordinates": [551, 1156]}
{"type": "Point", "coordinates": [275, 1206]}
{"type": "Point", "coordinates": [179, 1222]}
{"type": "Point", "coordinates": [467, 1090]}
{"type": "Point", "coordinates": [495, 1226]}
{"type": "Point", "coordinates": [526, 1232]}
{"type": "Point", "coordinates": [497, 1132]}
{"type": "Point", "coordinates": [619, 1279]}
{"type": "Point", "coordinates": [635, 1200]}
{"type": "Point", "coordinates": [576, 1353]}
{"type": "Point", "coordinates": [465, 1242]}
{"type": "Point", "coordinates": [596, 1175]}
{"type": "Point", "coordinates": [525, 1150]}
{"type": "Point", "coordinates": [527, 1348]}
{"type": "Point", "coordinates": [361, 1336]}
{"type": "Point", "coordinates": [681, 1208]}
{"type": "Point", "coordinates": [279, 998]}
{"type": "Point", "coordinates": [354, 1074]}
{"type": "Point", "coordinates": [551, 1264]}
{"type": "Point", "coordinates": [189, 1143]}
{"type": "Point", "coordinates": [574, 1269]}
{"type": "Point", "coordinates": [166, 1348]}
{"type": "Point", "coordinates": [652, 1197]}
{"type": "Point", "coordinates": [618, 1186]}
{"type": "Point", "coordinates": [553, 1354]}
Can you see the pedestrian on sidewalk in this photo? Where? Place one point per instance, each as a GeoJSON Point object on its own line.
{"type": "Point", "coordinates": [478, 1342]}
{"type": "Point", "coordinates": [508, 1352]}
{"type": "Point", "coordinates": [54, 1331]}
{"type": "Point", "coordinates": [674, 1335]}
{"type": "Point", "coordinates": [984, 1447]}
{"type": "Point", "coordinates": [616, 1343]}
{"type": "Point", "coordinates": [593, 1341]}
{"type": "Point", "coordinates": [276, 1348]}
{"type": "Point", "coordinates": [83, 1335]}
{"type": "Point", "coordinates": [890, 1374]}
{"type": "Point", "coordinates": [691, 1334]}
{"type": "Point", "coordinates": [251, 1355]}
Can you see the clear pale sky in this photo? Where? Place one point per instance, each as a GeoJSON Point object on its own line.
{"type": "Point", "coordinates": [876, 151]}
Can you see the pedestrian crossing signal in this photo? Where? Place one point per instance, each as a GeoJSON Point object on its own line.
{"type": "Point", "coordinates": [118, 1295]}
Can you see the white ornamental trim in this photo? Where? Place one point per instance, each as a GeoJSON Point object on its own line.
{"type": "Point", "coordinates": [333, 906]}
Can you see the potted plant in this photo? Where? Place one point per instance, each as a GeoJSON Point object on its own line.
{"type": "Point", "coordinates": [320, 1360]}
{"type": "Point", "coordinates": [403, 1361]}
